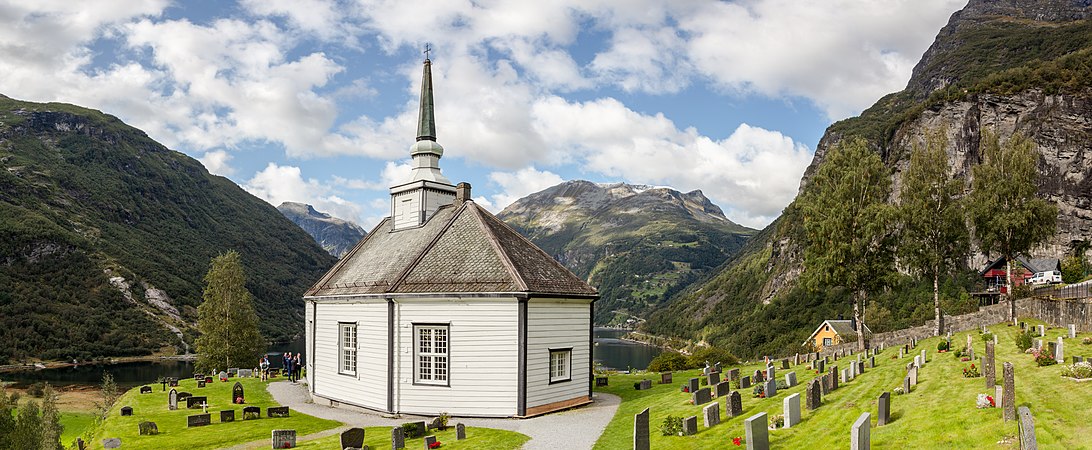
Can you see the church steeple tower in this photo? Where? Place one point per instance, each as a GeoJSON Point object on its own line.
{"type": "Point", "coordinates": [414, 202]}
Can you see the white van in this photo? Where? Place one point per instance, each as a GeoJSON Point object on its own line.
{"type": "Point", "coordinates": [1048, 277]}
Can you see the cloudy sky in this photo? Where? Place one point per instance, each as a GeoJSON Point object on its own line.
{"type": "Point", "coordinates": [316, 100]}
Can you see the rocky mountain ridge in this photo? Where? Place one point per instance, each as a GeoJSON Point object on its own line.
{"type": "Point", "coordinates": [336, 236]}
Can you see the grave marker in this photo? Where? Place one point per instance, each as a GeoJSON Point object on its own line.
{"type": "Point", "coordinates": [145, 389]}
{"type": "Point", "coordinates": [812, 394]}
{"type": "Point", "coordinates": [883, 415]}
{"type": "Point", "coordinates": [859, 435]}
{"type": "Point", "coordinates": [283, 438]}
{"type": "Point", "coordinates": [148, 429]}
{"type": "Point", "coordinates": [198, 420]}
{"type": "Point", "coordinates": [914, 376]}
{"type": "Point", "coordinates": [771, 373]}
{"type": "Point", "coordinates": [1072, 331]}
{"type": "Point", "coordinates": [126, 410]}
{"type": "Point", "coordinates": [723, 388]}
{"type": "Point", "coordinates": [1008, 399]}
{"type": "Point", "coordinates": [1059, 353]}
{"type": "Point", "coordinates": [352, 438]}
{"type": "Point", "coordinates": [690, 426]}
{"type": "Point", "coordinates": [111, 443]}
{"type": "Point", "coordinates": [237, 396]}
{"type": "Point", "coordinates": [711, 415]}
{"type": "Point", "coordinates": [600, 381]}
{"type": "Point", "coordinates": [282, 411]}
{"type": "Point", "coordinates": [745, 382]}
{"type": "Point", "coordinates": [227, 415]}
{"type": "Point", "coordinates": [1027, 430]}
{"type": "Point", "coordinates": [785, 363]}
{"type": "Point", "coordinates": [460, 432]}
{"type": "Point", "coordinates": [734, 404]}
{"type": "Point", "coordinates": [758, 435]}
{"type": "Point", "coordinates": [906, 385]}
{"type": "Point", "coordinates": [733, 374]}
{"type": "Point", "coordinates": [701, 397]}
{"type": "Point", "coordinates": [833, 378]}
{"type": "Point", "coordinates": [193, 402]}
{"type": "Point", "coordinates": [430, 441]}
{"type": "Point", "coordinates": [1042, 331]}
{"type": "Point", "coordinates": [245, 373]}
{"type": "Point", "coordinates": [692, 385]}
{"type": "Point", "coordinates": [989, 367]}
{"type": "Point", "coordinates": [172, 400]}
{"type": "Point", "coordinates": [713, 378]}
{"type": "Point", "coordinates": [201, 383]}
{"type": "Point", "coordinates": [790, 379]}
{"type": "Point", "coordinates": [665, 378]}
{"type": "Point", "coordinates": [791, 406]}
{"type": "Point", "coordinates": [771, 388]}
{"type": "Point", "coordinates": [252, 412]}
{"type": "Point", "coordinates": [398, 438]}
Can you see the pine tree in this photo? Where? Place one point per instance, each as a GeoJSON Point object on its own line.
{"type": "Point", "coordinates": [1008, 217]}
{"type": "Point", "coordinates": [934, 236]}
{"type": "Point", "coordinates": [227, 319]}
{"type": "Point", "coordinates": [847, 225]}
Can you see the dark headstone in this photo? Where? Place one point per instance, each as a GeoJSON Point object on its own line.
{"type": "Point", "coordinates": [884, 413]}
{"type": "Point", "coordinates": [758, 376]}
{"type": "Point", "coordinates": [437, 424]}
{"type": "Point", "coordinates": [1027, 430]}
{"type": "Point", "coordinates": [237, 396]}
{"type": "Point", "coordinates": [201, 383]}
{"type": "Point", "coordinates": [701, 397]}
{"type": "Point", "coordinates": [282, 411]}
{"type": "Point", "coordinates": [252, 412]}
{"type": "Point", "coordinates": [834, 378]}
{"type": "Point", "coordinates": [723, 388]}
{"type": "Point", "coordinates": [148, 429]}
{"type": "Point", "coordinates": [665, 378]}
{"type": "Point", "coordinates": [711, 414]}
{"type": "Point", "coordinates": [600, 381]}
{"type": "Point", "coordinates": [713, 378]}
{"type": "Point", "coordinates": [80, 445]}
{"type": "Point", "coordinates": [813, 394]}
{"type": "Point", "coordinates": [429, 442]}
{"type": "Point", "coordinates": [646, 384]}
{"type": "Point", "coordinates": [460, 431]}
{"type": "Point", "coordinates": [145, 389]}
{"type": "Point", "coordinates": [126, 410]}
{"type": "Point", "coordinates": [784, 363]}
{"type": "Point", "coordinates": [283, 438]}
{"type": "Point", "coordinates": [690, 426]}
{"type": "Point", "coordinates": [733, 374]}
{"type": "Point", "coordinates": [745, 382]}
{"type": "Point", "coordinates": [111, 443]}
{"type": "Point", "coordinates": [208, 379]}
{"type": "Point", "coordinates": [227, 415]}
{"type": "Point", "coordinates": [198, 376]}
{"type": "Point", "coordinates": [352, 438]}
{"type": "Point", "coordinates": [198, 420]}
{"type": "Point", "coordinates": [640, 431]}
{"type": "Point", "coordinates": [172, 382]}
{"type": "Point", "coordinates": [758, 435]}
{"type": "Point", "coordinates": [398, 438]}
{"type": "Point", "coordinates": [172, 400]}
{"type": "Point", "coordinates": [1008, 396]}
{"type": "Point", "coordinates": [692, 385]}
{"type": "Point", "coordinates": [989, 367]}
{"type": "Point", "coordinates": [195, 402]}
{"type": "Point", "coordinates": [734, 404]}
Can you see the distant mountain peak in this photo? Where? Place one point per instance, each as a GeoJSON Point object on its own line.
{"type": "Point", "coordinates": [335, 235]}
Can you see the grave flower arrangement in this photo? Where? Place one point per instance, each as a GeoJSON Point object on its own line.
{"type": "Point", "coordinates": [1079, 370]}
{"type": "Point", "coordinates": [777, 421]}
{"type": "Point", "coordinates": [738, 440]}
{"type": "Point", "coordinates": [971, 372]}
{"type": "Point", "coordinates": [985, 401]}
{"type": "Point", "coordinates": [898, 391]}
{"type": "Point", "coordinates": [686, 388]}
{"type": "Point", "coordinates": [1043, 358]}
{"type": "Point", "coordinates": [1086, 341]}
{"type": "Point", "coordinates": [436, 444]}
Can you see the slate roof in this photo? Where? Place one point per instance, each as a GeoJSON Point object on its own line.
{"type": "Point", "coordinates": [843, 328]}
{"type": "Point", "coordinates": [460, 249]}
{"type": "Point", "coordinates": [1032, 265]}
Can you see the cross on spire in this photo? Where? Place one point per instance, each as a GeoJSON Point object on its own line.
{"type": "Point", "coordinates": [428, 48]}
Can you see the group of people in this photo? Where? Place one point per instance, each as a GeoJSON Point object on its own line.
{"type": "Point", "coordinates": [293, 366]}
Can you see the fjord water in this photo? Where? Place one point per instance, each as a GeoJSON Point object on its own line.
{"type": "Point", "coordinates": [610, 351]}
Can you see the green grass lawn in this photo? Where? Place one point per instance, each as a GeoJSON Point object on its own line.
{"type": "Point", "coordinates": [477, 438]}
{"type": "Point", "coordinates": [173, 432]}
{"type": "Point", "coordinates": [75, 424]}
{"type": "Point", "coordinates": [940, 412]}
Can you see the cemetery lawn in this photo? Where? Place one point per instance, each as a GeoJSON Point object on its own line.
{"type": "Point", "coordinates": [939, 412]}
{"type": "Point", "coordinates": [75, 424]}
{"type": "Point", "coordinates": [476, 438]}
{"type": "Point", "coordinates": [173, 432]}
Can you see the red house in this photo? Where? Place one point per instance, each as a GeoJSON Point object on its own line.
{"type": "Point", "coordinates": [1023, 269]}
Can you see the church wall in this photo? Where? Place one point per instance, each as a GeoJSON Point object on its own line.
{"type": "Point", "coordinates": [557, 324]}
{"type": "Point", "coordinates": [483, 354]}
{"type": "Point", "coordinates": [406, 209]}
{"type": "Point", "coordinates": [368, 387]}
{"type": "Point", "coordinates": [435, 199]}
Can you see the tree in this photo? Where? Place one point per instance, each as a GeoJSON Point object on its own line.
{"type": "Point", "coordinates": [28, 427]}
{"type": "Point", "coordinates": [934, 237]}
{"type": "Point", "coordinates": [7, 419]}
{"type": "Point", "coordinates": [108, 394]}
{"type": "Point", "coordinates": [1008, 217]}
{"type": "Point", "coordinates": [226, 319]}
{"type": "Point", "coordinates": [51, 421]}
{"type": "Point", "coordinates": [847, 224]}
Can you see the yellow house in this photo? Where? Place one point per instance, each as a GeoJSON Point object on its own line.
{"type": "Point", "coordinates": [834, 332]}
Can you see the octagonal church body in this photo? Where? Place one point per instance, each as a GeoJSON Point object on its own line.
{"type": "Point", "coordinates": [444, 308]}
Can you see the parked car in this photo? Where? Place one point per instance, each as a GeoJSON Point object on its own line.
{"type": "Point", "coordinates": [1048, 277]}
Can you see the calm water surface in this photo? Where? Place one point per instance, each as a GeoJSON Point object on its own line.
{"type": "Point", "coordinates": [609, 351]}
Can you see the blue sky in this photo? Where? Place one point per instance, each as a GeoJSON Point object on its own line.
{"type": "Point", "coordinates": [316, 100]}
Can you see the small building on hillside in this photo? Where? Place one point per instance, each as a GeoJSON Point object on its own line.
{"type": "Point", "coordinates": [444, 308]}
{"type": "Point", "coordinates": [834, 332]}
{"type": "Point", "coordinates": [1022, 268]}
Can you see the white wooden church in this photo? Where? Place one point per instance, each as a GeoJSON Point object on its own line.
{"type": "Point", "coordinates": [444, 308]}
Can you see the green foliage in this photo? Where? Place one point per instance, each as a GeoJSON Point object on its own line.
{"type": "Point", "coordinates": [52, 429]}
{"type": "Point", "coordinates": [671, 426]}
{"type": "Point", "coordinates": [228, 323]}
{"type": "Point", "coordinates": [7, 419]}
{"type": "Point", "coordinates": [1074, 269]}
{"type": "Point", "coordinates": [668, 361]}
{"type": "Point", "coordinates": [943, 345]}
{"type": "Point", "coordinates": [1008, 217]}
{"type": "Point", "coordinates": [711, 355]}
{"type": "Point", "coordinates": [108, 394]}
{"type": "Point", "coordinates": [847, 223]}
{"type": "Point", "coordinates": [1024, 340]}
{"type": "Point", "coordinates": [987, 337]}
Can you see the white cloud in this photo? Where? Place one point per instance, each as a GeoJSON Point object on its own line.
{"type": "Point", "coordinates": [519, 184]}
{"type": "Point", "coordinates": [278, 184]}
{"type": "Point", "coordinates": [217, 162]}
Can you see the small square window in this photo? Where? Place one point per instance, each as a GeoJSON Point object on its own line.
{"type": "Point", "coordinates": [560, 365]}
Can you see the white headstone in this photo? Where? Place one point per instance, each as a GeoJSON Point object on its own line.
{"type": "Point", "coordinates": [859, 436]}
{"type": "Point", "coordinates": [1058, 353]}
{"type": "Point", "coordinates": [1072, 331]}
{"type": "Point", "coordinates": [791, 405]}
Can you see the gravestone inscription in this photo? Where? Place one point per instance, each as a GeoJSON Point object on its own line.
{"type": "Point", "coordinates": [283, 438]}
{"type": "Point", "coordinates": [198, 420]}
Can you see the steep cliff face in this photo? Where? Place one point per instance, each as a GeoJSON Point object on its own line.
{"type": "Point", "coordinates": [336, 236]}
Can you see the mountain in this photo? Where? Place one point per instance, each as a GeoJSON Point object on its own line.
{"type": "Point", "coordinates": [637, 244]}
{"type": "Point", "coordinates": [106, 235]}
{"type": "Point", "coordinates": [999, 65]}
{"type": "Point", "coordinates": [335, 235]}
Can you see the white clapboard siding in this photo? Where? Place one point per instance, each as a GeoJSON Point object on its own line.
{"type": "Point", "coordinates": [368, 388]}
{"type": "Point", "coordinates": [483, 353]}
{"type": "Point", "coordinates": [557, 324]}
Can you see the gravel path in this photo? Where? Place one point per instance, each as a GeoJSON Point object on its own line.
{"type": "Point", "coordinates": [573, 429]}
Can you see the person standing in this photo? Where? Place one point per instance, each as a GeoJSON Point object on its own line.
{"type": "Point", "coordinates": [297, 363]}
{"type": "Point", "coordinates": [288, 369]}
{"type": "Point", "coordinates": [264, 365]}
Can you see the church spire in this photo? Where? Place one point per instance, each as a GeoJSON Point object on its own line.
{"type": "Point", "coordinates": [426, 122]}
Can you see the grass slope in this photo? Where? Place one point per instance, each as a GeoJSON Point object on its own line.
{"type": "Point", "coordinates": [940, 411]}
{"type": "Point", "coordinates": [476, 438]}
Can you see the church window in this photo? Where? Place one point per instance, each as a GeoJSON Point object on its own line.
{"type": "Point", "coordinates": [560, 363]}
{"type": "Point", "coordinates": [431, 345]}
{"type": "Point", "coordinates": [347, 343]}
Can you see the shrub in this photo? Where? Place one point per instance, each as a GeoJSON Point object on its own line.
{"type": "Point", "coordinates": [1078, 370]}
{"type": "Point", "coordinates": [971, 372]}
{"type": "Point", "coordinates": [1043, 358]}
{"type": "Point", "coordinates": [943, 345]}
{"type": "Point", "coordinates": [36, 390]}
{"type": "Point", "coordinates": [1024, 340]}
{"type": "Point", "coordinates": [668, 362]}
{"type": "Point", "coordinates": [671, 426]}
{"type": "Point", "coordinates": [712, 355]}
{"type": "Point", "coordinates": [987, 336]}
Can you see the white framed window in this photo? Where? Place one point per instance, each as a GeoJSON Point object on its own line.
{"type": "Point", "coordinates": [430, 345]}
{"type": "Point", "coordinates": [827, 342]}
{"type": "Point", "coordinates": [347, 345]}
{"type": "Point", "coordinates": [560, 364]}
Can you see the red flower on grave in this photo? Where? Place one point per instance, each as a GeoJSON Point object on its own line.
{"type": "Point", "coordinates": [738, 441]}
{"type": "Point", "coordinates": [434, 445]}
{"type": "Point", "coordinates": [992, 404]}
{"type": "Point", "coordinates": [972, 365]}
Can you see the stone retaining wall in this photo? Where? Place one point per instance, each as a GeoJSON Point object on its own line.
{"type": "Point", "coordinates": [1058, 312]}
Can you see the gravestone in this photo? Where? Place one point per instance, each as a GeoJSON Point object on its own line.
{"type": "Point", "coordinates": [701, 397]}
{"type": "Point", "coordinates": [969, 340]}
{"type": "Point", "coordinates": [600, 381]}
{"type": "Point", "coordinates": [791, 405]}
{"type": "Point", "coordinates": [172, 400]}
{"type": "Point", "coordinates": [640, 431]}
{"type": "Point", "coordinates": [900, 353]}
{"type": "Point", "coordinates": [233, 371]}
{"type": "Point", "coordinates": [845, 375]}
{"type": "Point", "coordinates": [790, 379]}
{"type": "Point", "coordinates": [227, 415]}
{"type": "Point", "coordinates": [859, 436]}
{"type": "Point", "coordinates": [692, 385]}
{"type": "Point", "coordinates": [245, 373]}
{"type": "Point", "coordinates": [812, 394]}
{"type": "Point", "coordinates": [914, 376]}
{"type": "Point", "coordinates": [646, 384]}
{"type": "Point", "coordinates": [126, 410]}
{"type": "Point", "coordinates": [906, 385]}
{"type": "Point", "coordinates": [252, 412]}
{"type": "Point", "coordinates": [860, 369]}
{"type": "Point", "coordinates": [833, 379]}
{"type": "Point", "coordinates": [872, 362]}
{"type": "Point", "coordinates": [430, 441]}
{"type": "Point", "coordinates": [733, 374]}
{"type": "Point", "coordinates": [437, 424]}
{"type": "Point", "coordinates": [208, 379]}
{"type": "Point", "coordinates": [796, 359]}
{"type": "Point", "coordinates": [419, 429]}
{"type": "Point", "coordinates": [1077, 359]}
{"type": "Point", "coordinates": [398, 438]}
{"type": "Point", "coordinates": [884, 414]}
{"type": "Point", "coordinates": [1008, 400]}
{"type": "Point", "coordinates": [198, 377]}
{"type": "Point", "coordinates": [785, 363]}
{"type": "Point", "coordinates": [757, 377]}
{"type": "Point", "coordinates": [282, 411]}
{"type": "Point", "coordinates": [223, 376]}
{"type": "Point", "coordinates": [771, 373]}
{"type": "Point", "coordinates": [201, 383]}
{"type": "Point", "coordinates": [198, 420]}
{"type": "Point", "coordinates": [723, 388]}
{"type": "Point", "coordinates": [771, 388]}
{"type": "Point", "coordinates": [182, 396]}
{"type": "Point", "coordinates": [460, 432]}
{"type": "Point", "coordinates": [665, 378]}
{"type": "Point", "coordinates": [690, 426]}
{"type": "Point", "coordinates": [1052, 348]}
{"type": "Point", "coordinates": [758, 435]}
{"type": "Point", "coordinates": [716, 367]}
{"type": "Point", "coordinates": [711, 414]}
{"type": "Point", "coordinates": [111, 443]}
{"type": "Point", "coordinates": [195, 402]}
{"type": "Point", "coordinates": [822, 365]}
{"type": "Point", "coordinates": [148, 429]}
{"type": "Point", "coordinates": [713, 378]}
{"type": "Point", "coordinates": [172, 382]}
{"type": "Point", "coordinates": [1042, 331]}
{"type": "Point", "coordinates": [826, 383]}
{"type": "Point", "coordinates": [283, 438]}
{"type": "Point", "coordinates": [1072, 331]}
{"type": "Point", "coordinates": [745, 382]}
{"type": "Point", "coordinates": [145, 389]}
{"type": "Point", "coordinates": [1027, 430]}
{"type": "Point", "coordinates": [1059, 354]}
{"type": "Point", "coordinates": [924, 358]}
{"type": "Point", "coordinates": [989, 368]}
{"type": "Point", "coordinates": [733, 406]}
{"type": "Point", "coordinates": [237, 396]}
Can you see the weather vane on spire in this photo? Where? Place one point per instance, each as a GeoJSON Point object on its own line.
{"type": "Point", "coordinates": [428, 48]}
